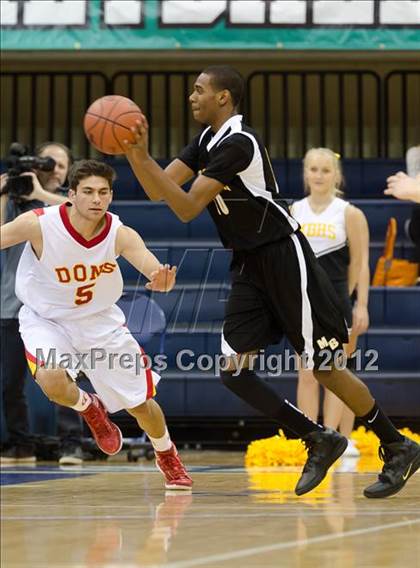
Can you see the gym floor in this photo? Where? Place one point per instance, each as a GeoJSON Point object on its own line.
{"type": "Point", "coordinates": [114, 514]}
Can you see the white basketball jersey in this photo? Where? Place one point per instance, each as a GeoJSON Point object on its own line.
{"type": "Point", "coordinates": [74, 278]}
{"type": "Point", "coordinates": [325, 231]}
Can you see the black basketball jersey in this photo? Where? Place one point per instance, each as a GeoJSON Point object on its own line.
{"type": "Point", "coordinates": [248, 212]}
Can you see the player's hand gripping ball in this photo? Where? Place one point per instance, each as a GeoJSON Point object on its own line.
{"type": "Point", "coordinates": [108, 121]}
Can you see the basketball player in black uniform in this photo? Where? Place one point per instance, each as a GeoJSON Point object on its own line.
{"type": "Point", "coordinates": [278, 288]}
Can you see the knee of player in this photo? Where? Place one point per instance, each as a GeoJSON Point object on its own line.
{"type": "Point", "coordinates": [235, 364]}
{"type": "Point", "coordinates": [307, 378]}
{"type": "Point", "coordinates": [140, 410]}
{"type": "Point", "coordinates": [52, 381]}
{"type": "Point", "coordinates": [323, 376]}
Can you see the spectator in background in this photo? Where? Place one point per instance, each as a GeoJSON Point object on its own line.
{"type": "Point", "coordinates": [339, 235]}
{"type": "Point", "coordinates": [404, 187]}
{"type": "Point", "coordinates": [412, 159]}
{"type": "Point", "coordinates": [407, 187]}
{"type": "Point", "coordinates": [47, 190]}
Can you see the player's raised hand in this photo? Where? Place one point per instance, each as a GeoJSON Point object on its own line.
{"type": "Point", "coordinates": [162, 279]}
{"type": "Point", "coordinates": [140, 148]}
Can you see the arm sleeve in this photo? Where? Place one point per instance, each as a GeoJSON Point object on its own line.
{"type": "Point", "coordinates": [232, 156]}
{"type": "Point", "coordinates": [189, 155]}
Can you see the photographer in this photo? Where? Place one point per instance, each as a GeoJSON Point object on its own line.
{"type": "Point", "coordinates": [21, 191]}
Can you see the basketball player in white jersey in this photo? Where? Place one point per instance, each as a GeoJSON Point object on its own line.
{"type": "Point", "coordinates": [68, 280]}
{"type": "Point", "coordinates": [339, 236]}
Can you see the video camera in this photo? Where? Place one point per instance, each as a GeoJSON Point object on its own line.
{"type": "Point", "coordinates": [18, 162]}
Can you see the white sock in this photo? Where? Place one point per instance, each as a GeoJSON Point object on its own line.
{"type": "Point", "coordinates": [84, 401]}
{"type": "Point", "coordinates": [161, 444]}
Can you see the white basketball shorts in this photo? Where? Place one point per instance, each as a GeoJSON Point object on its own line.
{"type": "Point", "coordinates": [118, 368]}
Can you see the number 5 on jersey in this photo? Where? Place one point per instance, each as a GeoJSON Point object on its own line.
{"type": "Point", "coordinates": [84, 294]}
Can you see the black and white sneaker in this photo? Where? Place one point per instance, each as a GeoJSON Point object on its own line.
{"type": "Point", "coordinates": [401, 460]}
{"type": "Point", "coordinates": [324, 448]}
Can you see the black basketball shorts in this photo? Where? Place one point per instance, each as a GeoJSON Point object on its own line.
{"type": "Point", "coordinates": [280, 289]}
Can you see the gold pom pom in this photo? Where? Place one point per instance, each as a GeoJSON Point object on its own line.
{"type": "Point", "coordinates": [275, 451]}
{"type": "Point", "coordinates": [280, 451]}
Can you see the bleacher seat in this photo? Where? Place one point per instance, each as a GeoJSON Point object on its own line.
{"type": "Point", "coordinates": [203, 394]}
{"type": "Point", "coordinates": [155, 220]}
{"type": "Point", "coordinates": [207, 261]}
{"type": "Point", "coordinates": [196, 261]}
{"type": "Point", "coordinates": [144, 318]}
{"type": "Point", "coordinates": [402, 307]}
{"type": "Point", "coordinates": [196, 248]}
{"type": "Point", "coordinates": [398, 349]}
{"type": "Point", "coordinates": [189, 303]}
{"type": "Point", "coordinates": [363, 177]}
{"type": "Point", "coordinates": [194, 303]}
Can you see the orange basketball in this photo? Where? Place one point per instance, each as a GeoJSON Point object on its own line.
{"type": "Point", "coordinates": [108, 121]}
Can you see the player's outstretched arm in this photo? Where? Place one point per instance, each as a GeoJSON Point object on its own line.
{"type": "Point", "coordinates": [132, 247]}
{"type": "Point", "coordinates": [24, 228]}
{"type": "Point", "coordinates": [160, 184]}
{"type": "Point", "coordinates": [177, 171]}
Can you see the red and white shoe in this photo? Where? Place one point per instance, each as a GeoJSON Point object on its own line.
{"type": "Point", "coordinates": [107, 434]}
{"type": "Point", "coordinates": [174, 472]}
